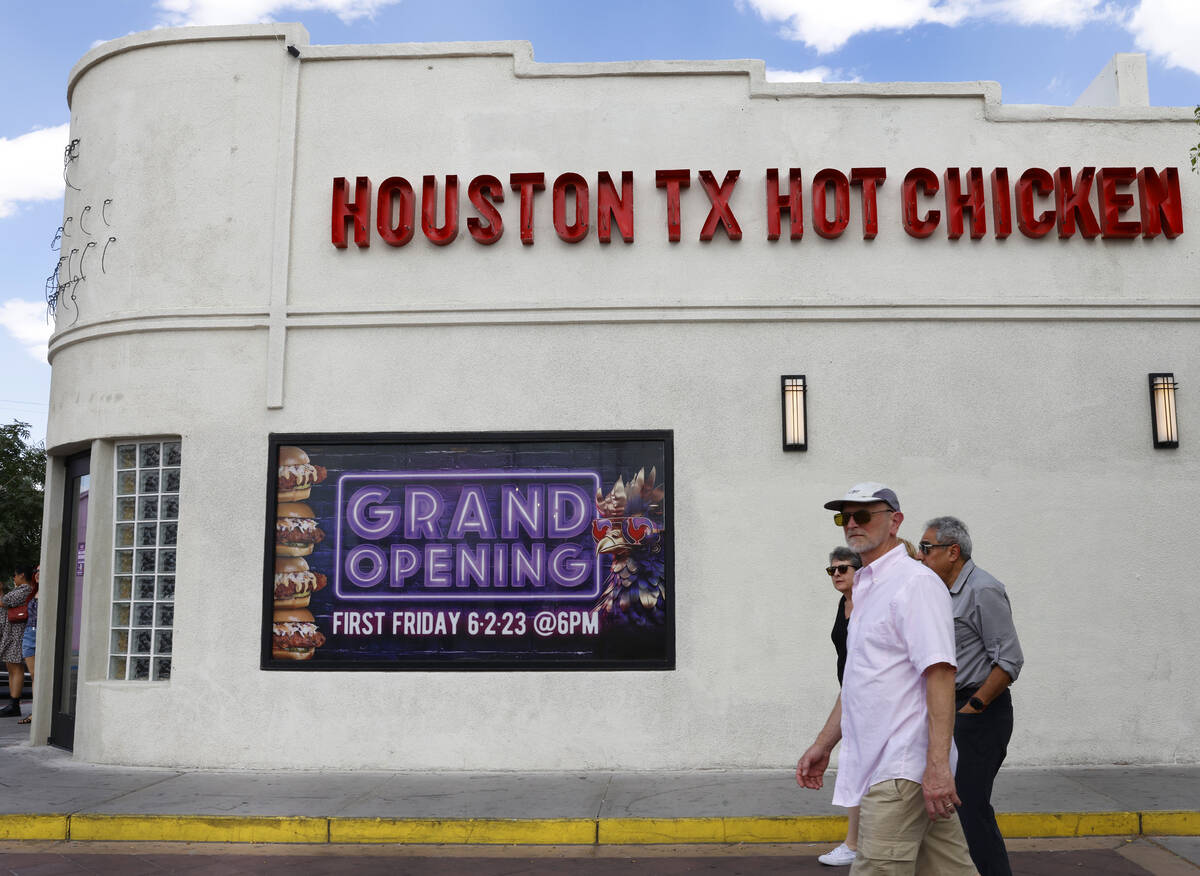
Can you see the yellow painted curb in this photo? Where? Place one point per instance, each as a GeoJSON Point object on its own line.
{"type": "Point", "coordinates": [502, 831]}
{"type": "Point", "coordinates": [750, 829]}
{"type": "Point", "coordinates": [199, 828]}
{"type": "Point", "coordinates": [1185, 823]}
{"type": "Point", "coordinates": [33, 827]}
{"type": "Point", "coordinates": [548, 831]}
{"type": "Point", "coordinates": [1057, 824]}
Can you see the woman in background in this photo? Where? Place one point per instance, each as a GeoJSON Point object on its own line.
{"type": "Point", "coordinates": [843, 563]}
{"type": "Point", "coordinates": [10, 639]}
{"type": "Point", "coordinates": [29, 639]}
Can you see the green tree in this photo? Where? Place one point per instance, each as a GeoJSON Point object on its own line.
{"type": "Point", "coordinates": [22, 479]}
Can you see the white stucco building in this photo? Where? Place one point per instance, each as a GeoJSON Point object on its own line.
{"type": "Point", "coordinates": [1000, 376]}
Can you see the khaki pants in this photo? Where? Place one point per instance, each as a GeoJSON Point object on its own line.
{"type": "Point", "coordinates": [897, 838]}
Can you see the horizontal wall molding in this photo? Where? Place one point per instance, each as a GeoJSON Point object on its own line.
{"type": "Point", "coordinates": [125, 324]}
{"type": "Point", "coordinates": [808, 312]}
{"type": "Point", "coordinates": [926, 311]}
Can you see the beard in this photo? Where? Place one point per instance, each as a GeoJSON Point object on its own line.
{"type": "Point", "coordinates": [862, 543]}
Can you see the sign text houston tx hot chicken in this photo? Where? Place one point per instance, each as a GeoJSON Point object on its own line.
{"type": "Point", "coordinates": [1106, 202]}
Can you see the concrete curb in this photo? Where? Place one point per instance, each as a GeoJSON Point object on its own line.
{"type": "Point", "coordinates": [546, 831]}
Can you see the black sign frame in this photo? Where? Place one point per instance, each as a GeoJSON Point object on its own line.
{"type": "Point", "coordinates": [658, 657]}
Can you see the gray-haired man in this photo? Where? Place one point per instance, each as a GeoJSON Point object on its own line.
{"type": "Point", "coordinates": [895, 714]}
{"type": "Point", "coordinates": [989, 660]}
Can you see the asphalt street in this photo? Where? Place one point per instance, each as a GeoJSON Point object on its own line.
{"type": "Point", "coordinates": [1100, 856]}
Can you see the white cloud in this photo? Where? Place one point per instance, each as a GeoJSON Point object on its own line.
{"type": "Point", "coordinates": [31, 167]}
{"type": "Point", "coordinates": [26, 322]}
{"type": "Point", "coordinates": [827, 26]}
{"type": "Point", "coordinates": [813, 74]}
{"type": "Point", "coordinates": [185, 12]}
{"type": "Point", "coordinates": [1051, 13]}
{"type": "Point", "coordinates": [1169, 30]}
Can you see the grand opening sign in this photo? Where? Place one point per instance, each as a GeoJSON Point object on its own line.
{"type": "Point", "coordinates": [525, 551]}
{"type": "Point", "coordinates": [422, 535]}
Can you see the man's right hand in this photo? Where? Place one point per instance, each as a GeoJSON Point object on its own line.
{"type": "Point", "coordinates": [810, 771]}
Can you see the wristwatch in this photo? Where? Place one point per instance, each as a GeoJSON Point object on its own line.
{"type": "Point", "coordinates": [977, 704]}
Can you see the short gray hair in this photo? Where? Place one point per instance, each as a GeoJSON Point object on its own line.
{"type": "Point", "coordinates": [951, 530]}
{"type": "Point", "coordinates": [845, 555]}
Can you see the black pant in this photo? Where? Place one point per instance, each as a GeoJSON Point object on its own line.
{"type": "Point", "coordinates": [982, 742]}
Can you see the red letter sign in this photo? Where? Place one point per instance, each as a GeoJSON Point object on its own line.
{"type": "Point", "coordinates": [1162, 206]}
{"type": "Point", "coordinates": [1072, 201]}
{"type": "Point", "coordinates": [956, 202]}
{"type": "Point", "coordinates": [1001, 203]}
{"type": "Point", "coordinates": [577, 230]}
{"type": "Point", "coordinates": [359, 211]}
{"type": "Point", "coordinates": [449, 229]}
{"type": "Point", "coordinates": [527, 184]}
{"type": "Point", "coordinates": [927, 181]}
{"type": "Point", "coordinates": [479, 191]}
{"type": "Point", "coordinates": [793, 202]}
{"type": "Point", "coordinates": [822, 224]}
{"type": "Point", "coordinates": [672, 181]}
{"type": "Point", "coordinates": [393, 191]}
{"type": "Point", "coordinates": [720, 212]}
{"type": "Point", "coordinates": [1034, 182]}
{"type": "Point", "coordinates": [609, 206]}
{"type": "Point", "coordinates": [869, 178]}
{"type": "Point", "coordinates": [1113, 203]}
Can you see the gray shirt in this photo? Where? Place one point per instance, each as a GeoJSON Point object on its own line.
{"type": "Point", "coordinates": [984, 635]}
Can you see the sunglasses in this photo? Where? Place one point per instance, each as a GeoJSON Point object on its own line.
{"type": "Point", "coordinates": [926, 546]}
{"type": "Point", "coordinates": [862, 516]}
{"type": "Point", "coordinates": [841, 569]}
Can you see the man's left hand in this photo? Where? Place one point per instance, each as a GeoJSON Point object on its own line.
{"type": "Point", "coordinates": [938, 787]}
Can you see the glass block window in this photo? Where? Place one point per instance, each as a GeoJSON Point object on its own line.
{"type": "Point", "coordinates": [143, 589]}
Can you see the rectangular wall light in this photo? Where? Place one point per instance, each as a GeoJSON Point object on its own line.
{"type": "Point", "coordinates": [795, 412]}
{"type": "Point", "coordinates": [1162, 410]}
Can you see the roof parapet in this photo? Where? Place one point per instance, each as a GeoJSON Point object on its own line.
{"type": "Point", "coordinates": [1122, 82]}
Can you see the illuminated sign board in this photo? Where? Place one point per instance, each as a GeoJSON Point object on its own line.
{"type": "Point", "coordinates": [469, 551]}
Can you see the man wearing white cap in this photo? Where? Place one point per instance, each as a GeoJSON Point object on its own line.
{"type": "Point", "coordinates": [896, 709]}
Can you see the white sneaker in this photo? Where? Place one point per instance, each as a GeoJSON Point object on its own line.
{"type": "Point", "coordinates": [842, 856]}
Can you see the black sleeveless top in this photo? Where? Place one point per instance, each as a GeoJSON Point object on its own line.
{"type": "Point", "coordinates": [841, 625]}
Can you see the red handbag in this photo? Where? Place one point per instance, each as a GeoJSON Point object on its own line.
{"type": "Point", "coordinates": [18, 614]}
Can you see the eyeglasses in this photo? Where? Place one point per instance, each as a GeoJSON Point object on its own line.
{"type": "Point", "coordinates": [841, 569]}
{"type": "Point", "coordinates": [926, 546]}
{"type": "Point", "coordinates": [862, 516]}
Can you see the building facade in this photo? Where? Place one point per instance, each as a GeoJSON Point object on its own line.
{"type": "Point", "coordinates": [424, 251]}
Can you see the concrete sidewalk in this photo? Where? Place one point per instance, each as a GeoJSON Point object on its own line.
{"type": "Point", "coordinates": [48, 796]}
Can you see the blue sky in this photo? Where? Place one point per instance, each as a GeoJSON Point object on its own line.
{"type": "Point", "coordinates": [1040, 51]}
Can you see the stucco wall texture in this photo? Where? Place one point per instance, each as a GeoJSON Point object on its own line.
{"type": "Point", "coordinates": [1003, 381]}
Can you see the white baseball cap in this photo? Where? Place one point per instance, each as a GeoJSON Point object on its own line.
{"type": "Point", "coordinates": [866, 492]}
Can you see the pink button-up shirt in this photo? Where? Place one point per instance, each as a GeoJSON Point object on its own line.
{"type": "Point", "coordinates": [902, 624]}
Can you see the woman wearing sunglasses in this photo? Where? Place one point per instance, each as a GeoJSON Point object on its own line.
{"type": "Point", "coordinates": [842, 564]}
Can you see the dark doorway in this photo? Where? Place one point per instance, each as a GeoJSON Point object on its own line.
{"type": "Point", "coordinates": [70, 600]}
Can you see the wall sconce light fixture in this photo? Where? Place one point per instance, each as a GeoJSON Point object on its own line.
{"type": "Point", "coordinates": [795, 412]}
{"type": "Point", "coordinates": [1162, 410]}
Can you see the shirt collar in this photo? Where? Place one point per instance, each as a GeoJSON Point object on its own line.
{"type": "Point", "coordinates": [963, 574]}
{"type": "Point", "coordinates": [880, 565]}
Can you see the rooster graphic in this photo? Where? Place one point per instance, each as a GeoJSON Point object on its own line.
{"type": "Point", "coordinates": [629, 529]}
